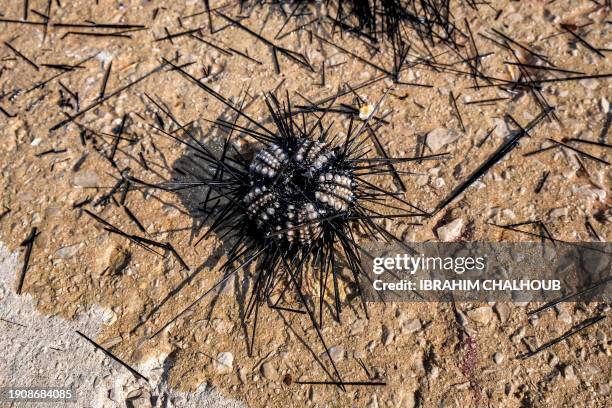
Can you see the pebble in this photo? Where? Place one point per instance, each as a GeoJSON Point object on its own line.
{"type": "Point", "coordinates": [224, 363]}
{"type": "Point", "coordinates": [558, 213]}
{"type": "Point", "coordinates": [373, 402]}
{"type": "Point", "coordinates": [463, 386]}
{"type": "Point", "coordinates": [481, 314]}
{"type": "Point", "coordinates": [268, 371]}
{"type": "Point", "coordinates": [501, 128]}
{"type": "Point", "coordinates": [498, 358]}
{"type": "Point", "coordinates": [118, 259]}
{"type": "Point", "coordinates": [387, 335]}
{"type": "Point", "coordinates": [553, 361]}
{"type": "Point", "coordinates": [86, 179]}
{"type": "Point", "coordinates": [216, 69]}
{"type": "Point", "coordinates": [440, 137]}
{"type": "Point", "coordinates": [568, 373]}
{"type": "Point", "coordinates": [563, 315]}
{"type": "Point", "coordinates": [438, 182]}
{"type": "Point", "coordinates": [357, 327]}
{"type": "Point", "coordinates": [68, 251]}
{"type": "Point", "coordinates": [411, 326]}
{"type": "Point", "coordinates": [242, 375]}
{"type": "Point", "coordinates": [336, 353]}
{"type": "Point", "coordinates": [503, 312]}
{"type": "Point", "coordinates": [365, 111]}
{"type": "Point", "coordinates": [590, 83]}
{"type": "Point", "coordinates": [139, 399]}
{"type": "Point", "coordinates": [450, 231]}
{"type": "Point", "coordinates": [605, 105]}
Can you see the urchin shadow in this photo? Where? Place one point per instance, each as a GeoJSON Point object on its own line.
{"type": "Point", "coordinates": [191, 168]}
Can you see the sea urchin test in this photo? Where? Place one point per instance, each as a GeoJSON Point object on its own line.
{"type": "Point", "coordinates": [295, 184]}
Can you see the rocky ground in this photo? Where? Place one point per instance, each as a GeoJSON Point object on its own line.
{"type": "Point", "coordinates": [429, 354]}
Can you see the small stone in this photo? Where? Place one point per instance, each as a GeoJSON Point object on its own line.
{"type": "Point", "coordinates": [411, 326]}
{"type": "Point", "coordinates": [216, 69]}
{"type": "Point", "coordinates": [438, 182]}
{"type": "Point", "coordinates": [558, 213]}
{"type": "Point", "coordinates": [357, 327]}
{"type": "Point", "coordinates": [503, 312]}
{"type": "Point", "coordinates": [373, 402]}
{"type": "Point", "coordinates": [336, 353]}
{"type": "Point", "coordinates": [589, 83]}
{"type": "Point", "coordinates": [387, 335]}
{"type": "Point", "coordinates": [242, 375]}
{"type": "Point", "coordinates": [110, 343]}
{"type": "Point", "coordinates": [508, 214]}
{"type": "Point", "coordinates": [268, 371]}
{"type": "Point", "coordinates": [139, 399]}
{"type": "Point", "coordinates": [224, 362]}
{"type": "Point", "coordinates": [568, 373]}
{"type": "Point", "coordinates": [481, 314]}
{"type": "Point", "coordinates": [86, 179]}
{"type": "Point", "coordinates": [68, 251]}
{"type": "Point", "coordinates": [440, 137]}
{"type": "Point", "coordinates": [501, 128]}
{"type": "Point", "coordinates": [118, 259]}
{"type": "Point", "coordinates": [553, 360]}
{"type": "Point", "coordinates": [600, 336]}
{"type": "Point", "coordinates": [365, 111]}
{"type": "Point", "coordinates": [498, 358]}
{"type": "Point", "coordinates": [463, 386]}
{"type": "Point", "coordinates": [222, 326]}
{"type": "Point", "coordinates": [605, 105]}
{"type": "Point", "coordinates": [564, 316]}
{"type": "Point", "coordinates": [422, 180]}
{"type": "Point", "coordinates": [450, 231]}
{"type": "Point", "coordinates": [604, 390]}
{"type": "Point", "coordinates": [108, 316]}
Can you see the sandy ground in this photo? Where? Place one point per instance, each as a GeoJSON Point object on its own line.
{"type": "Point", "coordinates": [46, 351]}
{"type": "Point", "coordinates": [429, 354]}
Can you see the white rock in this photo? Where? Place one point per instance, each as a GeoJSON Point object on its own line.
{"type": "Point", "coordinates": [605, 105]}
{"type": "Point", "coordinates": [224, 363]}
{"type": "Point", "coordinates": [498, 358]}
{"type": "Point", "coordinates": [336, 353]}
{"type": "Point", "coordinates": [450, 231]}
{"type": "Point", "coordinates": [440, 137]}
{"type": "Point", "coordinates": [373, 402]}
